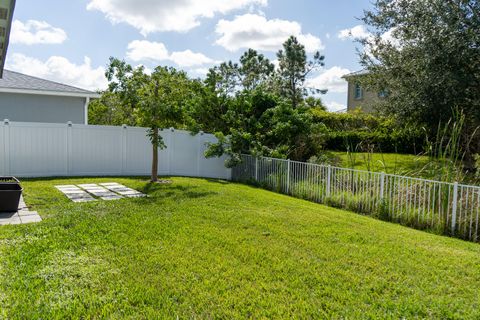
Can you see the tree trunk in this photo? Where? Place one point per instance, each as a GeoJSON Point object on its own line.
{"type": "Point", "coordinates": [154, 177]}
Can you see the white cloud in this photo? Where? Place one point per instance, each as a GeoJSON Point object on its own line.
{"type": "Point", "coordinates": [276, 64]}
{"type": "Point", "coordinates": [360, 32]}
{"type": "Point", "coordinates": [143, 50]}
{"type": "Point", "coordinates": [331, 79]}
{"type": "Point", "coordinates": [36, 32]}
{"type": "Point", "coordinates": [140, 50]}
{"type": "Point", "coordinates": [188, 58]}
{"type": "Point", "coordinates": [388, 37]}
{"type": "Point", "coordinates": [60, 69]}
{"type": "Point", "coordinates": [146, 69]}
{"type": "Point", "coordinates": [355, 33]}
{"type": "Point", "coordinates": [166, 15]}
{"type": "Point", "coordinates": [335, 106]}
{"type": "Point", "coordinates": [199, 72]}
{"type": "Point", "coordinates": [256, 32]}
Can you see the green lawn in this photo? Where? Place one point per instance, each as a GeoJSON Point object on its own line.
{"type": "Point", "coordinates": [210, 249]}
{"type": "Point", "coordinates": [393, 163]}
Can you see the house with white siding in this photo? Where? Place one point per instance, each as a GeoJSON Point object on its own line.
{"type": "Point", "coordinates": [24, 98]}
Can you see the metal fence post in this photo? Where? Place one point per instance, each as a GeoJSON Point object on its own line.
{"type": "Point", "coordinates": [382, 185]}
{"type": "Point", "coordinates": [256, 169]}
{"type": "Point", "coordinates": [454, 206]}
{"type": "Point", "coordinates": [329, 179]}
{"type": "Point", "coordinates": [288, 175]}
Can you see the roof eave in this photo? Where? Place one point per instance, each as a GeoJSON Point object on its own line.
{"type": "Point", "coordinates": [7, 37]}
{"type": "Point", "coordinates": [91, 95]}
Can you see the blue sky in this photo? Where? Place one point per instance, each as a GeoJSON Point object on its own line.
{"type": "Point", "coordinates": [71, 41]}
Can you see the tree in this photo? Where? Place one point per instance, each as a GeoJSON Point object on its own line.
{"type": "Point", "coordinates": [252, 105]}
{"type": "Point", "coordinates": [294, 69]}
{"type": "Point", "coordinates": [255, 69]}
{"type": "Point", "coordinates": [215, 100]}
{"type": "Point", "coordinates": [263, 124]}
{"type": "Point", "coordinates": [289, 132]}
{"type": "Point", "coordinates": [124, 81]}
{"type": "Point", "coordinates": [426, 53]}
{"type": "Point", "coordinates": [314, 103]}
{"type": "Point", "coordinates": [162, 100]}
{"type": "Point", "coordinates": [156, 100]}
{"type": "Point", "coordinates": [110, 110]}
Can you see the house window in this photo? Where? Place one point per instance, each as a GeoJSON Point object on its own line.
{"type": "Point", "coordinates": [382, 94]}
{"type": "Point", "coordinates": [3, 13]}
{"type": "Point", "coordinates": [358, 92]}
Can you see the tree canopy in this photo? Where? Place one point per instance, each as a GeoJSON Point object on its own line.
{"type": "Point", "coordinates": [426, 53]}
{"type": "Point", "coordinates": [251, 106]}
{"type": "Point", "coordinates": [155, 100]}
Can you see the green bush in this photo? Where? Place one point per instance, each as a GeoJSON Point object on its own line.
{"type": "Point", "coordinates": [477, 166]}
{"type": "Point", "coordinates": [366, 132]}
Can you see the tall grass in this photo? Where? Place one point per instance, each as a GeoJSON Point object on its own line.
{"type": "Point", "coordinates": [446, 152]}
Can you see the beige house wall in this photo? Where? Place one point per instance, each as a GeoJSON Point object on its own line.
{"type": "Point", "coordinates": [367, 101]}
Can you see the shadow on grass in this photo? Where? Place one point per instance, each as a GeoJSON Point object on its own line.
{"type": "Point", "coordinates": [40, 179]}
{"type": "Point", "coordinates": [224, 182]}
{"type": "Point", "coordinates": [156, 190]}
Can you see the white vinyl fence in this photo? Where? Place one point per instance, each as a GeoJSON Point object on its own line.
{"type": "Point", "coordinates": [46, 150]}
{"type": "Point", "coordinates": [447, 208]}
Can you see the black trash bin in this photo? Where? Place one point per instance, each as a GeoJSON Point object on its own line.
{"type": "Point", "coordinates": [10, 193]}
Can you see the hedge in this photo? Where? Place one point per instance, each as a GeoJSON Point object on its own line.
{"type": "Point", "coordinates": [358, 132]}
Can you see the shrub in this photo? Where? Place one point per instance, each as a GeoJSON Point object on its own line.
{"type": "Point", "coordinates": [366, 132]}
{"type": "Point", "coordinates": [477, 166]}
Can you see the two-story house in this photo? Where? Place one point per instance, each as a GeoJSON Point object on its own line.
{"type": "Point", "coordinates": [360, 98]}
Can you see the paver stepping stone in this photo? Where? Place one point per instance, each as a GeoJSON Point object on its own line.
{"type": "Point", "coordinates": [122, 190]}
{"type": "Point", "coordinates": [75, 194]}
{"type": "Point", "coordinates": [23, 215]}
{"type": "Point", "coordinates": [100, 192]}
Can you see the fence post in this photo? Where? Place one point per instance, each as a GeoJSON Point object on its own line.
{"type": "Point", "coordinates": [6, 140]}
{"type": "Point", "coordinates": [256, 169]}
{"type": "Point", "coordinates": [454, 207]}
{"type": "Point", "coordinates": [288, 175]}
{"type": "Point", "coordinates": [69, 148]}
{"type": "Point", "coordinates": [170, 149]}
{"type": "Point", "coordinates": [329, 179]}
{"type": "Point", "coordinates": [382, 186]}
{"type": "Point", "coordinates": [124, 148]}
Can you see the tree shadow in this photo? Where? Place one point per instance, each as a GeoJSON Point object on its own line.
{"type": "Point", "coordinates": [224, 182]}
{"type": "Point", "coordinates": [163, 191]}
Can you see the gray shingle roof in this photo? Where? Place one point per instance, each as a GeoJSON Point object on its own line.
{"type": "Point", "coordinates": [15, 80]}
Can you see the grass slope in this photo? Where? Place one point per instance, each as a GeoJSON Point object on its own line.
{"type": "Point", "coordinates": [209, 249]}
{"type": "Point", "coordinates": [393, 163]}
